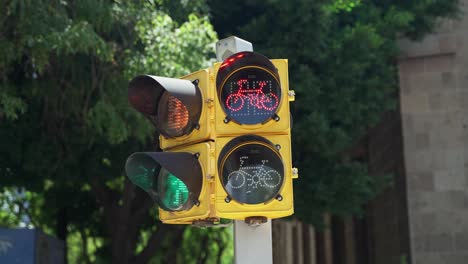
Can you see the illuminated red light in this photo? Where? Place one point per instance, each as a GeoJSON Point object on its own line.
{"type": "Point", "coordinates": [269, 101]}
{"type": "Point", "coordinates": [255, 97]}
{"type": "Point", "coordinates": [231, 60]}
{"type": "Point", "coordinates": [248, 88]}
{"type": "Point", "coordinates": [235, 102]}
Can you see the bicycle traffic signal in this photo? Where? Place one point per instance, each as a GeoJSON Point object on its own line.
{"type": "Point", "coordinates": [253, 144]}
{"type": "Point", "coordinates": [225, 132]}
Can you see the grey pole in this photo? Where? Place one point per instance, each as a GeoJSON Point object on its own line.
{"type": "Point", "coordinates": [252, 244]}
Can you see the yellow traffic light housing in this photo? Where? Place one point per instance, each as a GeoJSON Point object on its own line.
{"type": "Point", "coordinates": [253, 143]}
{"type": "Point", "coordinates": [204, 127]}
{"type": "Point", "coordinates": [254, 177]}
{"type": "Point", "coordinates": [226, 135]}
{"type": "Point", "coordinates": [180, 109]}
{"type": "Point", "coordinates": [204, 153]}
{"type": "Point", "coordinates": [181, 191]}
{"type": "Point", "coordinates": [182, 113]}
{"type": "Point", "coordinates": [252, 94]}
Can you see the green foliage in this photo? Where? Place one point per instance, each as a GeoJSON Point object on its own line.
{"type": "Point", "coordinates": [202, 245]}
{"type": "Point", "coordinates": [342, 67]}
{"type": "Point", "coordinates": [11, 106]}
{"type": "Point", "coordinates": [167, 45]}
{"type": "Point", "coordinates": [65, 121]}
{"type": "Point", "coordinates": [212, 245]}
{"type": "Point", "coordinates": [342, 5]}
{"type": "Point", "coordinates": [64, 117]}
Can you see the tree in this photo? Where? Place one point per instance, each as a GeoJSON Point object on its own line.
{"type": "Point", "coordinates": [342, 56]}
{"type": "Point", "coordinates": [66, 127]}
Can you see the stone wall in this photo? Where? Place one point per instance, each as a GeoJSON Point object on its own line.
{"type": "Point", "coordinates": [434, 109]}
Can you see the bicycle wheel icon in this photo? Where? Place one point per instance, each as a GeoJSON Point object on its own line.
{"type": "Point", "coordinates": [272, 178]}
{"type": "Point", "coordinates": [269, 101]}
{"type": "Point", "coordinates": [235, 102]}
{"type": "Point", "coordinates": [236, 179]}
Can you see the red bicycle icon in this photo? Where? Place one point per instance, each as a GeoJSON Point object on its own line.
{"type": "Point", "coordinates": [255, 97]}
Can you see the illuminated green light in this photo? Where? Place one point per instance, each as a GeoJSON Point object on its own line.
{"type": "Point", "coordinates": [174, 192]}
{"type": "Point", "coordinates": [170, 191]}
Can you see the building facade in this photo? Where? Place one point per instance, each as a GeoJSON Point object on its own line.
{"type": "Point", "coordinates": [423, 217]}
{"type": "Point", "coordinates": [434, 112]}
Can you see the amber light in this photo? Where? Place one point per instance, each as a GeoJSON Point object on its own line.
{"type": "Point", "coordinates": [177, 114]}
{"type": "Point", "coordinates": [173, 116]}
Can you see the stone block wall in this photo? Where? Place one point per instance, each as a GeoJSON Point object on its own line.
{"type": "Point", "coordinates": [434, 110]}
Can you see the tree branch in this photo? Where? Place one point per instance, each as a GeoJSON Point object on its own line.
{"type": "Point", "coordinates": [128, 195]}
{"type": "Point", "coordinates": [203, 253]}
{"type": "Point", "coordinates": [177, 238]}
{"type": "Point", "coordinates": [222, 246]}
{"type": "Point", "coordinates": [153, 244]}
{"type": "Point", "coordinates": [85, 253]}
{"type": "Point", "coordinates": [141, 205]}
{"type": "Point", "coordinates": [104, 199]}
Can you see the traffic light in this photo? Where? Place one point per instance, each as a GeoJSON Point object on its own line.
{"type": "Point", "coordinates": [253, 95]}
{"type": "Point", "coordinates": [175, 179]}
{"type": "Point", "coordinates": [253, 140]}
{"type": "Point", "coordinates": [180, 109]}
{"type": "Point", "coordinates": [225, 132]}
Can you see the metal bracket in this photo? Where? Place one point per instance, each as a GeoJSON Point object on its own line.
{"type": "Point", "coordinates": [211, 222]}
{"type": "Point", "coordinates": [276, 117]}
{"type": "Point", "coordinates": [291, 95]}
{"type": "Point", "coordinates": [295, 173]}
{"type": "Point", "coordinates": [279, 197]}
{"type": "Point", "coordinates": [255, 220]}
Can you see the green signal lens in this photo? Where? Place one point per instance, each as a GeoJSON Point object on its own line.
{"type": "Point", "coordinates": [173, 192]}
{"type": "Point", "coordinates": [177, 190]}
{"type": "Point", "coordinates": [141, 171]}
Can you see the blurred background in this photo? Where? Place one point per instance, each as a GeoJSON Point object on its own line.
{"type": "Point", "coordinates": [380, 127]}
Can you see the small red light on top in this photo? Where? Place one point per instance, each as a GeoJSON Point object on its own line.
{"type": "Point", "coordinates": [231, 60]}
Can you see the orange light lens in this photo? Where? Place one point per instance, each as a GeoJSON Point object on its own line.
{"type": "Point", "coordinates": [173, 116]}
{"type": "Point", "coordinates": [177, 115]}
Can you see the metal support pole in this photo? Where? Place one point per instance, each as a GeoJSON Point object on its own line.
{"type": "Point", "coordinates": [252, 244]}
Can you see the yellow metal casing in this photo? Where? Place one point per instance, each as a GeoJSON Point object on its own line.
{"type": "Point", "coordinates": [205, 130]}
{"type": "Point", "coordinates": [271, 127]}
{"type": "Point", "coordinates": [271, 209]}
{"type": "Point", "coordinates": [204, 210]}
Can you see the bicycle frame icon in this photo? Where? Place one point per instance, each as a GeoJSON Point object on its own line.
{"type": "Point", "coordinates": [254, 176]}
{"type": "Point", "coordinates": [255, 97]}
